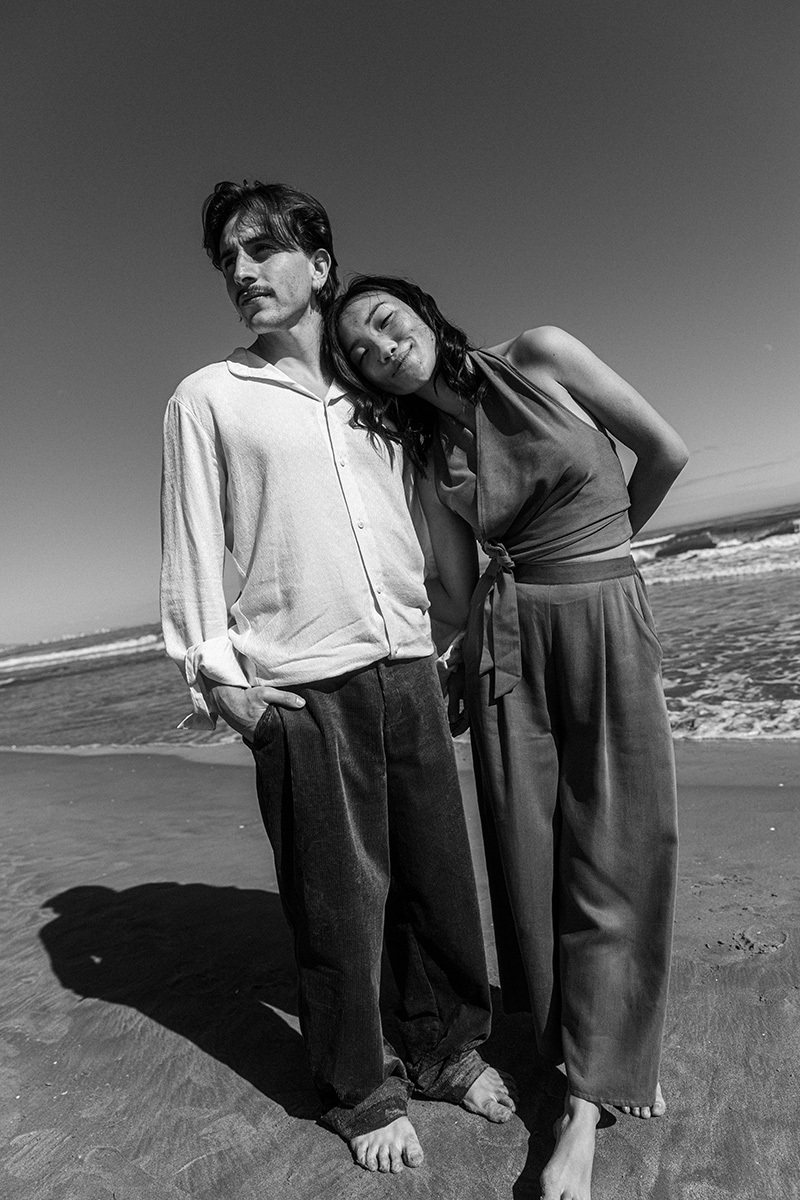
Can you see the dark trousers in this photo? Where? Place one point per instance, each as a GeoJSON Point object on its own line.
{"type": "Point", "coordinates": [360, 798]}
{"type": "Point", "coordinates": [579, 807]}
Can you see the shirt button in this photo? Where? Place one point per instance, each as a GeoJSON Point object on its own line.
{"type": "Point", "coordinates": [341, 462]}
{"type": "Point", "coordinates": [379, 589]}
{"type": "Point", "coordinates": [360, 524]}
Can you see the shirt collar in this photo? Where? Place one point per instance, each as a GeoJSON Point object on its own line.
{"type": "Point", "coordinates": [244, 364]}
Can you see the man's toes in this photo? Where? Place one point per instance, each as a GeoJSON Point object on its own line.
{"type": "Point", "coordinates": [360, 1153]}
{"type": "Point", "coordinates": [370, 1160]}
{"type": "Point", "coordinates": [396, 1159]}
{"type": "Point", "coordinates": [497, 1112]}
{"type": "Point", "coordinates": [412, 1153]}
{"type": "Point", "coordinates": [384, 1159]}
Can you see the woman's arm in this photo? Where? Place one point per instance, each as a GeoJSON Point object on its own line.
{"type": "Point", "coordinates": [456, 555]}
{"type": "Point", "coordinates": [549, 355]}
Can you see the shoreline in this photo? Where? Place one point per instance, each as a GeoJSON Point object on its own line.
{"type": "Point", "coordinates": [728, 762]}
{"type": "Point", "coordinates": [234, 752]}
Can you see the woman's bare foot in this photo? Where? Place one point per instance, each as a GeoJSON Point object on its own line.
{"type": "Point", "coordinates": [389, 1148]}
{"type": "Point", "coordinates": [491, 1096]}
{"type": "Point", "coordinates": [568, 1175]}
{"type": "Point", "coordinates": [656, 1109]}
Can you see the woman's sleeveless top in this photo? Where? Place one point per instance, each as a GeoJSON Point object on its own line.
{"type": "Point", "coordinates": [534, 476]}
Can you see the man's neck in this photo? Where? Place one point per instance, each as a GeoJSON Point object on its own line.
{"type": "Point", "coordinates": [296, 352]}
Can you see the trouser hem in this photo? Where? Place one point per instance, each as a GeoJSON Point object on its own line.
{"type": "Point", "coordinates": [381, 1107]}
{"type": "Point", "coordinates": [612, 1103]}
{"type": "Point", "coordinates": [452, 1080]}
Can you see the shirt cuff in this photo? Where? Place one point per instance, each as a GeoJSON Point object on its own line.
{"type": "Point", "coordinates": [206, 664]}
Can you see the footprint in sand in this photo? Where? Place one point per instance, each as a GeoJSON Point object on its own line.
{"type": "Point", "coordinates": [759, 939]}
{"type": "Point", "coordinates": [715, 880]}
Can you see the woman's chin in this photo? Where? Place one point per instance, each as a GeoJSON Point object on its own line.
{"type": "Point", "coordinates": [410, 390]}
{"type": "Point", "coordinates": [397, 387]}
{"type": "Point", "coordinates": [407, 383]}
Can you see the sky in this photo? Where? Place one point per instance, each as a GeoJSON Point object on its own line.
{"type": "Point", "coordinates": [626, 170]}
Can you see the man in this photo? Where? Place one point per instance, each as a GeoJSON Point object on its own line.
{"type": "Point", "coordinates": [324, 664]}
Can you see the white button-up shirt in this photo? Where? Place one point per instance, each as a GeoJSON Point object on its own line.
{"type": "Point", "coordinates": [315, 516]}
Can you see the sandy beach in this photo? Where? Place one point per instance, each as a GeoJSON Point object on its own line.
{"type": "Point", "coordinates": [149, 1039]}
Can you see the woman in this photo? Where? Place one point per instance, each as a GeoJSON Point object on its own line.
{"type": "Point", "coordinates": [562, 672]}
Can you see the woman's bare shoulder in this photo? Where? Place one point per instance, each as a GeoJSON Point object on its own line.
{"type": "Point", "coordinates": [534, 347]}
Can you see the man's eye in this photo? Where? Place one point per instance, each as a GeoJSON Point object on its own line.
{"type": "Point", "coordinates": [385, 320]}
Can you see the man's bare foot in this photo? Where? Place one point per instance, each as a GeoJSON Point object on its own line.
{"type": "Point", "coordinates": [656, 1109]}
{"type": "Point", "coordinates": [568, 1174]}
{"type": "Point", "coordinates": [389, 1148]}
{"type": "Point", "coordinates": [491, 1096]}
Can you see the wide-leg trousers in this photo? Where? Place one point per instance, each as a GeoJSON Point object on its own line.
{"type": "Point", "coordinates": [360, 797]}
{"type": "Point", "coordinates": [577, 787]}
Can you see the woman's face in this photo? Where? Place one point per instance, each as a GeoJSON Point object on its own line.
{"type": "Point", "coordinates": [387, 343]}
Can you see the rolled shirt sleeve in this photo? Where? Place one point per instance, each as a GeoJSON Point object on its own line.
{"type": "Point", "coordinates": [194, 612]}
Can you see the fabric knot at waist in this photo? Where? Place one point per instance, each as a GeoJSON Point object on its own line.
{"type": "Point", "coordinates": [501, 560]}
{"type": "Point", "coordinates": [500, 651]}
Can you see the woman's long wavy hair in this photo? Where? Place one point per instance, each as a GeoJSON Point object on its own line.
{"type": "Point", "coordinates": [408, 421]}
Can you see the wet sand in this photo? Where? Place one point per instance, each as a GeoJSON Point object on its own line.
{"type": "Point", "coordinates": [149, 1043]}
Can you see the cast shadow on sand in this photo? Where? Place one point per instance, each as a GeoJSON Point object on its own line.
{"type": "Point", "coordinates": [210, 963]}
{"type": "Point", "coordinates": [216, 966]}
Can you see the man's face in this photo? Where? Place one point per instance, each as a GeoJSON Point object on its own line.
{"type": "Point", "coordinates": [269, 287]}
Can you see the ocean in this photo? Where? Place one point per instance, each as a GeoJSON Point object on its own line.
{"type": "Point", "coordinates": [726, 600]}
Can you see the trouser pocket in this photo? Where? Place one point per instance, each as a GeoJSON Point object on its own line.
{"type": "Point", "coordinates": [268, 725]}
{"type": "Point", "coordinates": [635, 593]}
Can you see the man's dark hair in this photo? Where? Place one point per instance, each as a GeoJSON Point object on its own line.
{"type": "Point", "coordinates": [409, 420]}
{"type": "Point", "coordinates": [291, 219]}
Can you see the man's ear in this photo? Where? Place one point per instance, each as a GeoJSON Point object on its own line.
{"type": "Point", "coordinates": [321, 266]}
